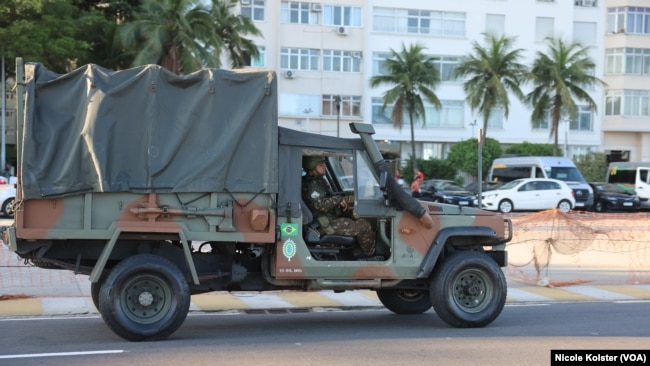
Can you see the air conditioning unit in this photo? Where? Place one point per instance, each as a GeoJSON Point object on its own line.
{"type": "Point", "coordinates": [356, 54]}
{"type": "Point", "coordinates": [289, 74]}
{"type": "Point", "coordinates": [245, 2]}
{"type": "Point", "coordinates": [342, 31]}
{"type": "Point", "coordinates": [316, 7]}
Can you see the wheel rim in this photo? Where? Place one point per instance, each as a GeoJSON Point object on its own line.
{"type": "Point", "coordinates": [505, 206]}
{"type": "Point", "coordinates": [472, 291]}
{"type": "Point", "coordinates": [9, 211]}
{"type": "Point", "coordinates": [146, 299]}
{"type": "Point", "coordinates": [565, 206]}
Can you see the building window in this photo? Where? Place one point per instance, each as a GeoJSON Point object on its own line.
{"type": "Point", "coordinates": [438, 23]}
{"type": "Point", "coordinates": [350, 105]}
{"type": "Point", "coordinates": [495, 24]}
{"type": "Point", "coordinates": [635, 20]}
{"type": "Point", "coordinates": [297, 12]}
{"type": "Point", "coordinates": [379, 63]}
{"type": "Point", "coordinates": [451, 114]}
{"type": "Point", "coordinates": [342, 15]}
{"type": "Point", "coordinates": [446, 66]}
{"type": "Point", "coordinates": [634, 103]}
{"type": "Point", "coordinates": [543, 28]}
{"type": "Point", "coordinates": [254, 10]}
{"type": "Point", "coordinates": [341, 61]}
{"type": "Point", "coordinates": [496, 118]}
{"type": "Point", "coordinates": [613, 103]}
{"type": "Point", "coordinates": [582, 122]}
{"type": "Point", "coordinates": [260, 60]}
{"type": "Point", "coordinates": [380, 117]}
{"type": "Point", "coordinates": [629, 61]}
{"type": "Point", "coordinates": [299, 59]}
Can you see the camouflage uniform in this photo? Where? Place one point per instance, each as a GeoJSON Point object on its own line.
{"type": "Point", "coordinates": [323, 203]}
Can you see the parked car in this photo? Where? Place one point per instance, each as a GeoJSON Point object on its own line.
{"type": "Point", "coordinates": [608, 196]}
{"type": "Point", "coordinates": [7, 197]}
{"type": "Point", "coordinates": [486, 186]}
{"type": "Point", "coordinates": [530, 194]}
{"type": "Point", "coordinates": [446, 191]}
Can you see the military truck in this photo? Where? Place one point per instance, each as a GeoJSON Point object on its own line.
{"type": "Point", "coordinates": [160, 186]}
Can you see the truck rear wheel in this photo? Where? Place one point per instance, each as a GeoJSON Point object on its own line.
{"type": "Point", "coordinates": [468, 290]}
{"type": "Point", "coordinates": [405, 301]}
{"type": "Point", "coordinates": [144, 298]}
{"type": "Point", "coordinates": [95, 287]}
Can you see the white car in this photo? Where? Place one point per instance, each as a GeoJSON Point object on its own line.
{"type": "Point", "coordinates": [7, 197]}
{"type": "Point", "coordinates": [529, 194]}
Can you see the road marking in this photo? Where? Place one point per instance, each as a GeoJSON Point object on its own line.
{"type": "Point", "coordinates": [58, 354]}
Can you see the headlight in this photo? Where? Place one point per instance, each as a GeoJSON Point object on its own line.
{"type": "Point", "coordinates": [491, 196]}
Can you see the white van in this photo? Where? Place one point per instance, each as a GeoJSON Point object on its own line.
{"type": "Point", "coordinates": [633, 175]}
{"type": "Point", "coordinates": [511, 168]}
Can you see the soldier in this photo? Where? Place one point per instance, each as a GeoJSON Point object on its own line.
{"type": "Point", "coordinates": [332, 212]}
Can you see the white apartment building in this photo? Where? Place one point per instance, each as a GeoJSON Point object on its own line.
{"type": "Point", "coordinates": [324, 49]}
{"type": "Point", "coordinates": [626, 117]}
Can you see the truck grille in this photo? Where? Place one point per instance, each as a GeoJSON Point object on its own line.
{"type": "Point", "coordinates": [581, 195]}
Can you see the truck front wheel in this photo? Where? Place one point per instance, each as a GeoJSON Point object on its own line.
{"type": "Point", "coordinates": [468, 290]}
{"type": "Point", "coordinates": [405, 301]}
{"type": "Point", "coordinates": [144, 298]}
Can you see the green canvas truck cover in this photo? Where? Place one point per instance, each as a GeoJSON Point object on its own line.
{"type": "Point", "coordinates": [146, 130]}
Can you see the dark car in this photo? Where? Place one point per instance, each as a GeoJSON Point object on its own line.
{"type": "Point", "coordinates": [487, 186]}
{"type": "Point", "coordinates": [446, 191]}
{"type": "Point", "coordinates": [612, 197]}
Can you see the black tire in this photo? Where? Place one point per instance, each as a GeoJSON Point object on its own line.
{"type": "Point", "coordinates": [405, 302]}
{"type": "Point", "coordinates": [7, 207]}
{"type": "Point", "coordinates": [468, 290]}
{"type": "Point", "coordinates": [144, 298]}
{"type": "Point", "coordinates": [95, 287]}
{"type": "Point", "coordinates": [599, 206]}
{"type": "Point", "coordinates": [564, 206]}
{"type": "Point", "coordinates": [506, 206]}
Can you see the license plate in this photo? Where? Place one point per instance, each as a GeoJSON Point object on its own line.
{"type": "Point", "coordinates": [627, 203]}
{"type": "Point", "coordinates": [463, 203]}
{"type": "Point", "coordinates": [580, 204]}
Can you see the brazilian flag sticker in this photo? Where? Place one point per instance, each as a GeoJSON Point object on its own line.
{"type": "Point", "coordinates": [289, 229]}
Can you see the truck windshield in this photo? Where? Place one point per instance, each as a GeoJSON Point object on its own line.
{"type": "Point", "coordinates": [567, 174]}
{"type": "Point", "coordinates": [367, 184]}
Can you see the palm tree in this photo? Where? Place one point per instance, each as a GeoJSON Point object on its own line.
{"type": "Point", "coordinates": [412, 75]}
{"type": "Point", "coordinates": [176, 34]}
{"type": "Point", "coordinates": [492, 72]}
{"type": "Point", "coordinates": [231, 28]}
{"type": "Point", "coordinates": [558, 77]}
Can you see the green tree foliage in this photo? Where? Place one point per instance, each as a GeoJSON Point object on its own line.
{"type": "Point", "coordinates": [432, 169]}
{"type": "Point", "coordinates": [232, 29]}
{"type": "Point", "coordinates": [411, 75]}
{"type": "Point", "coordinates": [43, 31]}
{"type": "Point", "coordinates": [464, 155]}
{"type": "Point", "coordinates": [176, 34]}
{"type": "Point", "coordinates": [532, 149]}
{"type": "Point", "coordinates": [490, 73]}
{"type": "Point", "coordinates": [559, 79]}
{"type": "Point", "coordinates": [593, 166]}
{"type": "Point", "coordinates": [187, 35]}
